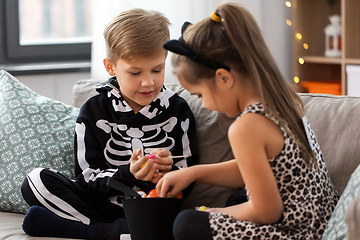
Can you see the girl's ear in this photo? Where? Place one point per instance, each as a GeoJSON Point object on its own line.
{"type": "Point", "coordinates": [224, 78]}
{"type": "Point", "coordinates": [108, 66]}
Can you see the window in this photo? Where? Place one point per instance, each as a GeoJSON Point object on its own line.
{"type": "Point", "coordinates": [45, 34]}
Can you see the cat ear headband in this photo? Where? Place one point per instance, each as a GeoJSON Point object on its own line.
{"type": "Point", "coordinates": [179, 47]}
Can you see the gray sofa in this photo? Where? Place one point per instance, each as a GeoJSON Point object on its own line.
{"type": "Point", "coordinates": [336, 125]}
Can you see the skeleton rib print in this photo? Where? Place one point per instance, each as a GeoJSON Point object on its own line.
{"type": "Point", "coordinates": [125, 140]}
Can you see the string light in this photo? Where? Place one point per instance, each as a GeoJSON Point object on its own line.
{"type": "Point", "coordinates": [298, 36]}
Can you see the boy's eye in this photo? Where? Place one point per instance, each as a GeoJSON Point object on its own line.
{"type": "Point", "coordinates": [134, 73]}
{"type": "Point", "coordinates": [157, 71]}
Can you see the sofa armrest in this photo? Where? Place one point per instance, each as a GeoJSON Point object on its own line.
{"type": "Point", "coordinates": [335, 121]}
{"type": "Point", "coordinates": [353, 219]}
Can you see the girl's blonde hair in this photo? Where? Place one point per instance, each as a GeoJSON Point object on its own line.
{"type": "Point", "coordinates": [136, 33]}
{"type": "Point", "coordinates": [236, 41]}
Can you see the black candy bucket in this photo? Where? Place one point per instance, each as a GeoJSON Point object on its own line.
{"type": "Point", "coordinates": [147, 218]}
{"type": "Point", "coordinates": [151, 218]}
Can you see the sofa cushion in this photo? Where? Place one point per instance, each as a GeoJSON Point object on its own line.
{"type": "Point", "coordinates": [10, 228]}
{"type": "Point", "coordinates": [336, 228]}
{"type": "Point", "coordinates": [335, 121]}
{"type": "Point", "coordinates": [35, 131]}
{"type": "Point", "coordinates": [83, 90]}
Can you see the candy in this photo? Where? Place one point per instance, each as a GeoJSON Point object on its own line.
{"type": "Point", "coordinates": [151, 156]}
{"type": "Point", "coordinates": [202, 208]}
{"type": "Point", "coordinates": [142, 194]}
{"type": "Point", "coordinates": [179, 196]}
{"type": "Point", "coordinates": [153, 194]}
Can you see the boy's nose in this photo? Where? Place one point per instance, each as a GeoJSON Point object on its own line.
{"type": "Point", "coordinates": [147, 81]}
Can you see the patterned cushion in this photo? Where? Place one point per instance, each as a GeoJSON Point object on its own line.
{"type": "Point", "coordinates": [35, 131]}
{"type": "Point", "coordinates": [336, 228]}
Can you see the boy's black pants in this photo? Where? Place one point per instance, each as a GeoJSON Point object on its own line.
{"type": "Point", "coordinates": [66, 198]}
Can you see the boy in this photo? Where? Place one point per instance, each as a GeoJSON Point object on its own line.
{"type": "Point", "coordinates": [132, 116]}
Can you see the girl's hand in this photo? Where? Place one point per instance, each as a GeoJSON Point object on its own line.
{"type": "Point", "coordinates": [143, 168]}
{"type": "Point", "coordinates": [163, 160]}
{"type": "Point", "coordinates": [219, 210]}
{"type": "Point", "coordinates": [207, 209]}
{"type": "Point", "coordinates": [174, 182]}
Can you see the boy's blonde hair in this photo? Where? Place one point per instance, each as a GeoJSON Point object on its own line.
{"type": "Point", "coordinates": [236, 41]}
{"type": "Point", "coordinates": [136, 33]}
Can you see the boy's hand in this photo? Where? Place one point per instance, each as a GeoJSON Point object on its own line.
{"type": "Point", "coordinates": [143, 168]}
{"type": "Point", "coordinates": [163, 160]}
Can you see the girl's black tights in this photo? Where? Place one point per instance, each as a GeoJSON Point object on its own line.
{"type": "Point", "coordinates": [191, 224]}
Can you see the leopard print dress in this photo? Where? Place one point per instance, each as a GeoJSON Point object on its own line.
{"type": "Point", "coordinates": [307, 193]}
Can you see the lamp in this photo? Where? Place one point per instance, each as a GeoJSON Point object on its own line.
{"type": "Point", "coordinates": [333, 37]}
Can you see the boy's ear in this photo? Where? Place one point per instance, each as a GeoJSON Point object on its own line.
{"type": "Point", "coordinates": [108, 66]}
{"type": "Point", "coordinates": [224, 78]}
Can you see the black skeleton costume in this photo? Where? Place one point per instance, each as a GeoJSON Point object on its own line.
{"type": "Point", "coordinates": [107, 128]}
{"type": "Point", "coordinates": [106, 134]}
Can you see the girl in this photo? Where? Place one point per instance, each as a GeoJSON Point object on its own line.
{"type": "Point", "coordinates": [224, 60]}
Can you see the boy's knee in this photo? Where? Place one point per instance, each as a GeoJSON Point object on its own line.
{"type": "Point", "coordinates": [41, 175]}
{"type": "Point", "coordinates": [25, 187]}
{"type": "Point", "coordinates": [27, 190]}
{"type": "Point", "coordinates": [35, 172]}
{"type": "Point", "coordinates": [33, 176]}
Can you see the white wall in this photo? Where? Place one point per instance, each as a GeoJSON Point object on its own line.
{"type": "Point", "coordinates": [56, 86]}
{"type": "Point", "coordinates": [277, 34]}
{"type": "Point", "coordinates": [271, 16]}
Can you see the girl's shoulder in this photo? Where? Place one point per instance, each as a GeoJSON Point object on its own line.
{"type": "Point", "coordinates": [255, 128]}
{"type": "Point", "coordinates": [252, 122]}
{"type": "Point", "coordinates": [261, 109]}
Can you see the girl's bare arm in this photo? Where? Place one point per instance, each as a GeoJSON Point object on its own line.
{"type": "Point", "coordinates": [254, 139]}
